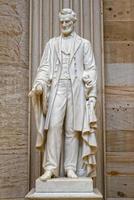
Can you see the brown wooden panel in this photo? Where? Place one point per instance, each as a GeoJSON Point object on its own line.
{"type": "Point", "coordinates": [14, 199]}
{"type": "Point", "coordinates": [119, 10]}
{"type": "Point", "coordinates": [14, 87]}
{"type": "Point", "coordinates": [13, 176]}
{"type": "Point", "coordinates": [120, 186]}
{"type": "Point", "coordinates": [119, 95]}
{"type": "Point", "coordinates": [13, 107]}
{"type": "Point", "coordinates": [119, 30]}
{"type": "Point", "coordinates": [119, 52]}
{"type": "Point", "coordinates": [120, 163]}
{"type": "Point", "coordinates": [119, 108]}
{"type": "Point", "coordinates": [120, 198]}
{"type": "Point", "coordinates": [13, 31]}
{"type": "Point", "coordinates": [119, 118]}
{"type": "Point", "coordinates": [13, 137]}
{"type": "Point", "coordinates": [120, 141]}
{"type": "Point", "coordinates": [119, 47]}
{"type": "Point", "coordinates": [14, 26]}
{"type": "Point", "coordinates": [120, 90]}
{"type": "Point", "coordinates": [119, 74]}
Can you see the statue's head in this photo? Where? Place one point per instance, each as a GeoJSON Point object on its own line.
{"type": "Point", "coordinates": [67, 20]}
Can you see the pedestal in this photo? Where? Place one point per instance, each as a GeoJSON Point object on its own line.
{"type": "Point", "coordinates": [64, 188]}
{"type": "Point", "coordinates": [66, 185]}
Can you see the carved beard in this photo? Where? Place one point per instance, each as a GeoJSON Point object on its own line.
{"type": "Point", "coordinates": [67, 30]}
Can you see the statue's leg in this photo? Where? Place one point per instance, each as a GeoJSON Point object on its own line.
{"type": "Point", "coordinates": [54, 135]}
{"type": "Point", "coordinates": [71, 140]}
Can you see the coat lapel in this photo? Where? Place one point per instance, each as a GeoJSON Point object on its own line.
{"type": "Point", "coordinates": [58, 47]}
{"type": "Point", "coordinates": [77, 42]}
{"type": "Point", "coordinates": [74, 47]}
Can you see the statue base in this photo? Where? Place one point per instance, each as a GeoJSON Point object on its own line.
{"type": "Point", "coordinates": [64, 188]}
{"type": "Point", "coordinates": [66, 185]}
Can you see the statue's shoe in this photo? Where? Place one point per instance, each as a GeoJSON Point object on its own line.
{"type": "Point", "coordinates": [47, 175]}
{"type": "Point", "coordinates": [71, 174]}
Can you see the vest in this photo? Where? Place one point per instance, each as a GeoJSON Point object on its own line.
{"type": "Point", "coordinates": [65, 66]}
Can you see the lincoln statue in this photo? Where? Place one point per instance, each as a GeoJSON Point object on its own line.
{"type": "Point", "coordinates": [64, 98]}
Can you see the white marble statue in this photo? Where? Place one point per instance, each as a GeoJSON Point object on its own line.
{"type": "Point", "coordinates": [64, 98]}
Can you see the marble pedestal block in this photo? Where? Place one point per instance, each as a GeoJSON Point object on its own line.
{"type": "Point", "coordinates": [67, 185]}
{"type": "Point", "coordinates": [64, 188]}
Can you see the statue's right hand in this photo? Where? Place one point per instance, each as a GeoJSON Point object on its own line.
{"type": "Point", "coordinates": [36, 90]}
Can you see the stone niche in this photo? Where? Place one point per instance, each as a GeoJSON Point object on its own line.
{"type": "Point", "coordinates": [64, 188]}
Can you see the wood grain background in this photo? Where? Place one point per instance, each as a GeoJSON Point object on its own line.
{"type": "Point", "coordinates": [119, 93]}
{"type": "Point", "coordinates": [14, 20]}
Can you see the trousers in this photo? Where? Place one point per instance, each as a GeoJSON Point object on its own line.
{"type": "Point", "coordinates": [61, 122]}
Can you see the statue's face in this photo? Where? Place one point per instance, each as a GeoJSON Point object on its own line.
{"type": "Point", "coordinates": [67, 26]}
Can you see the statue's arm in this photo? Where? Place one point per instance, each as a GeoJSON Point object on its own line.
{"type": "Point", "coordinates": [90, 74]}
{"type": "Point", "coordinates": [42, 76]}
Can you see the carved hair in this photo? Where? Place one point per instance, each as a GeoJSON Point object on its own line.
{"type": "Point", "coordinates": [69, 13]}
